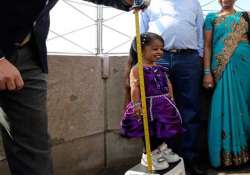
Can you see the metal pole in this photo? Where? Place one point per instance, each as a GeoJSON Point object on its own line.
{"type": "Point", "coordinates": [99, 34]}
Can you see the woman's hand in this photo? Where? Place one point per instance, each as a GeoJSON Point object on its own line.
{"type": "Point", "coordinates": [138, 110]}
{"type": "Point", "coordinates": [208, 81]}
{"type": "Point", "coordinates": [171, 96]}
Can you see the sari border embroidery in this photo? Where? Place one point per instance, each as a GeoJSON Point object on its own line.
{"type": "Point", "coordinates": [229, 159]}
{"type": "Point", "coordinates": [231, 42]}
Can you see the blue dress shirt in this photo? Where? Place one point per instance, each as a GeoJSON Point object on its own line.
{"type": "Point", "coordinates": [179, 22]}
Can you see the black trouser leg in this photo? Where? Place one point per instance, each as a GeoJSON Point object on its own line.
{"type": "Point", "coordinates": [29, 152]}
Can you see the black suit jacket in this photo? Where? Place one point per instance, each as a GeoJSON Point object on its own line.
{"type": "Point", "coordinates": [20, 17]}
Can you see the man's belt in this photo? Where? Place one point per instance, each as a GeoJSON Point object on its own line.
{"type": "Point", "coordinates": [181, 50]}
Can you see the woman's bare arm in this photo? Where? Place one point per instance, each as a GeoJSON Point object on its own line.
{"type": "Point", "coordinates": [135, 91]}
{"type": "Point", "coordinates": [208, 81]}
{"type": "Point", "coordinates": [134, 85]}
{"type": "Point", "coordinates": [170, 89]}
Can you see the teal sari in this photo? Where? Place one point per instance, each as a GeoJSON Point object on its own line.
{"type": "Point", "coordinates": [229, 123]}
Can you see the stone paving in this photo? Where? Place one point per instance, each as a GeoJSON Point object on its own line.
{"type": "Point", "coordinates": [239, 171]}
{"type": "Point", "coordinates": [122, 169]}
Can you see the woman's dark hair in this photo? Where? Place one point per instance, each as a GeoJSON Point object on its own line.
{"type": "Point", "coordinates": [146, 39]}
{"type": "Point", "coordinates": [246, 17]}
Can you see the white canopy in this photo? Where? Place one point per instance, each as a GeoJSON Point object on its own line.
{"type": "Point", "coordinates": [79, 27]}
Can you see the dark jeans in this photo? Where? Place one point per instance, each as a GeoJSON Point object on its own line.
{"type": "Point", "coordinates": [29, 152]}
{"type": "Point", "coordinates": [185, 70]}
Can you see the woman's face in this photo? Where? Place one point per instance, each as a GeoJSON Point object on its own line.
{"type": "Point", "coordinates": [227, 4]}
{"type": "Point", "coordinates": [153, 51]}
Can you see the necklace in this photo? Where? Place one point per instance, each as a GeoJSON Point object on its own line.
{"type": "Point", "coordinates": [221, 14]}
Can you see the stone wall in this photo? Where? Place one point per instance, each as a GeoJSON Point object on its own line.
{"type": "Point", "coordinates": [84, 114]}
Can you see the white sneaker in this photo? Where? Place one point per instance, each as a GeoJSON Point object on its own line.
{"type": "Point", "coordinates": [158, 161]}
{"type": "Point", "coordinates": [168, 154]}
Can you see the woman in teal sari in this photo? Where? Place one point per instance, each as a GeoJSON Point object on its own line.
{"type": "Point", "coordinates": [227, 70]}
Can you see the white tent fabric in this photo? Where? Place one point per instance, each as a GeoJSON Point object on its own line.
{"type": "Point", "coordinates": [74, 27]}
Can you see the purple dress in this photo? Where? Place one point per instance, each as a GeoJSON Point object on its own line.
{"type": "Point", "coordinates": [164, 118]}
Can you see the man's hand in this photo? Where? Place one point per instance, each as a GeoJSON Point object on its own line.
{"type": "Point", "coordinates": [10, 77]}
{"type": "Point", "coordinates": [130, 2]}
{"type": "Point", "coordinates": [139, 4]}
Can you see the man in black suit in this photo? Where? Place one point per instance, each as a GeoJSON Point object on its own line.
{"type": "Point", "coordinates": [23, 81]}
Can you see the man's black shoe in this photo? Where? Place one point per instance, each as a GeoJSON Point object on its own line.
{"type": "Point", "coordinates": [193, 168]}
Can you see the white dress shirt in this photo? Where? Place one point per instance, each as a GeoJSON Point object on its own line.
{"type": "Point", "coordinates": [179, 22]}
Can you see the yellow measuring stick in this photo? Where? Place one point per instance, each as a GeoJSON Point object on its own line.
{"type": "Point", "coordinates": [142, 89]}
